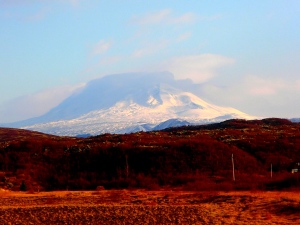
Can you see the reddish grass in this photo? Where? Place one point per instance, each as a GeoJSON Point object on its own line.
{"type": "Point", "coordinates": [150, 207]}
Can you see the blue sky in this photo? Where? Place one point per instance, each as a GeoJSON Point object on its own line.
{"type": "Point", "coordinates": [243, 54]}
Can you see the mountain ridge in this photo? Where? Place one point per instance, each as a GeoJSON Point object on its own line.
{"type": "Point", "coordinates": [124, 103]}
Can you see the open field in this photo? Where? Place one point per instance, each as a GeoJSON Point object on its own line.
{"type": "Point", "coordinates": [149, 207]}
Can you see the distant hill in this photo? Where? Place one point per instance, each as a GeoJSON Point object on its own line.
{"type": "Point", "coordinates": [295, 120]}
{"type": "Point", "coordinates": [171, 123]}
{"type": "Point", "coordinates": [188, 157]}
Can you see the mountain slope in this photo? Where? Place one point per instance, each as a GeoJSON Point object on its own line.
{"type": "Point", "coordinates": [125, 103]}
{"type": "Point", "coordinates": [295, 120]}
{"type": "Point", "coordinates": [171, 123]}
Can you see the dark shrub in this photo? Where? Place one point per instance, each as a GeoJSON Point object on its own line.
{"type": "Point", "coordinates": [23, 186]}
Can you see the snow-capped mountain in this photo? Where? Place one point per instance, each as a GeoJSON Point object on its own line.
{"type": "Point", "coordinates": [295, 120]}
{"type": "Point", "coordinates": [171, 123]}
{"type": "Point", "coordinates": [125, 103]}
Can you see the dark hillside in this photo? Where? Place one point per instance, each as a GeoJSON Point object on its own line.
{"type": "Point", "coordinates": [193, 157]}
{"type": "Point", "coordinates": [275, 141]}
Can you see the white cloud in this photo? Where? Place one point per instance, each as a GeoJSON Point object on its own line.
{"type": "Point", "coordinates": [258, 95]}
{"type": "Point", "coordinates": [263, 87]}
{"type": "Point", "coordinates": [164, 17]}
{"type": "Point", "coordinates": [152, 18]}
{"type": "Point", "coordinates": [153, 47]}
{"type": "Point", "coordinates": [185, 18]}
{"type": "Point", "coordinates": [199, 68]}
{"type": "Point", "coordinates": [150, 48]}
{"type": "Point", "coordinates": [101, 47]}
{"type": "Point", "coordinates": [36, 104]}
{"type": "Point", "coordinates": [184, 36]}
{"type": "Point", "coordinates": [262, 90]}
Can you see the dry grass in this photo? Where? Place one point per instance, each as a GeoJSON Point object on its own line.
{"type": "Point", "coordinates": [149, 207]}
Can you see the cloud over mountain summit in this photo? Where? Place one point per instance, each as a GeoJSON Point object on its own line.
{"type": "Point", "coordinates": [120, 103]}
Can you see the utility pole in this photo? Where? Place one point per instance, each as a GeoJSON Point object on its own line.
{"type": "Point", "coordinates": [271, 171]}
{"type": "Point", "coordinates": [127, 167]}
{"type": "Point", "coordinates": [233, 175]}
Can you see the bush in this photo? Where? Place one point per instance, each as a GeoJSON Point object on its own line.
{"type": "Point", "coordinates": [23, 186]}
{"type": "Point", "coordinates": [285, 181]}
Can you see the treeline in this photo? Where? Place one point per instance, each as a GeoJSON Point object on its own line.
{"type": "Point", "coordinates": [197, 158]}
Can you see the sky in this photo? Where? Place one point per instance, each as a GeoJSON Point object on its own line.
{"type": "Point", "coordinates": [242, 54]}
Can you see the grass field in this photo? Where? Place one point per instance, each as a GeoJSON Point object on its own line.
{"type": "Point", "coordinates": [149, 207]}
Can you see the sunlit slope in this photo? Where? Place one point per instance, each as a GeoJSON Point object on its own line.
{"type": "Point", "coordinates": [129, 102]}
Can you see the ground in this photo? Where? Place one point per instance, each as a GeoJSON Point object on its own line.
{"type": "Point", "coordinates": [149, 207]}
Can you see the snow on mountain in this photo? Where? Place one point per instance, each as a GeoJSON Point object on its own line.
{"type": "Point", "coordinates": [295, 120]}
{"type": "Point", "coordinates": [171, 123]}
{"type": "Point", "coordinates": [125, 103]}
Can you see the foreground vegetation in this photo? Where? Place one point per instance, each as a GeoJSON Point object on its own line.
{"type": "Point", "coordinates": [149, 207]}
{"type": "Point", "coordinates": [190, 158]}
